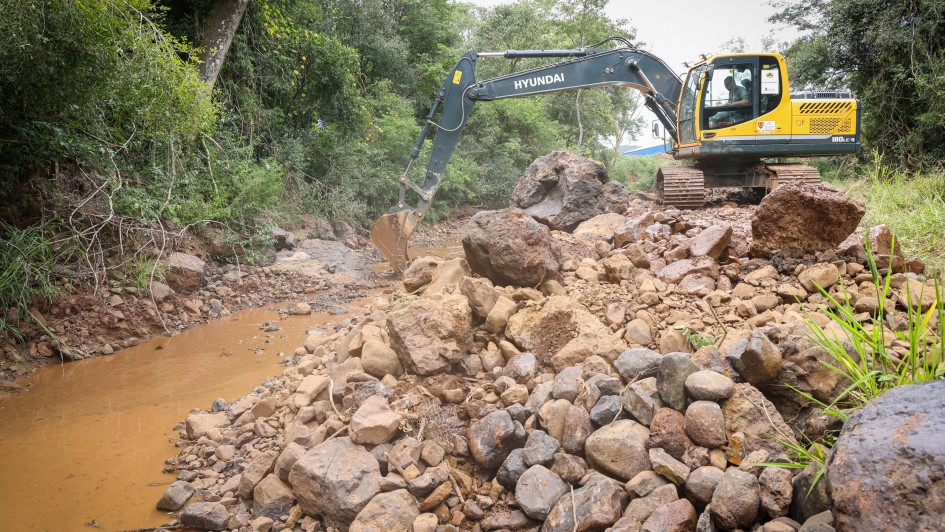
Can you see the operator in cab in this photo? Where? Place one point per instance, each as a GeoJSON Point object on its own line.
{"type": "Point", "coordinates": [737, 95]}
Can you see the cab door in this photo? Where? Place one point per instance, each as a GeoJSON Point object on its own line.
{"type": "Point", "coordinates": [688, 107]}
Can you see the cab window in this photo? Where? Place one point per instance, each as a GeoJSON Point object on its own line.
{"type": "Point", "coordinates": [687, 109]}
{"type": "Point", "coordinates": [728, 98]}
{"type": "Point", "coordinates": [770, 83]}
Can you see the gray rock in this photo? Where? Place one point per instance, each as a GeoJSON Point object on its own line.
{"type": "Point", "coordinates": [175, 496]}
{"type": "Point", "coordinates": [493, 437]}
{"type": "Point", "coordinates": [568, 384]}
{"type": "Point", "coordinates": [510, 248]}
{"type": "Point", "coordinates": [598, 505]}
{"type": "Point", "coordinates": [272, 498]}
{"type": "Point", "coordinates": [512, 469]}
{"type": "Point", "coordinates": [701, 484]}
{"type": "Point", "coordinates": [562, 190]}
{"type": "Point", "coordinates": [736, 500]}
{"type": "Point", "coordinates": [708, 385]}
{"type": "Point", "coordinates": [642, 400]}
{"type": "Point", "coordinates": [671, 379]}
{"type": "Point", "coordinates": [776, 491]}
{"type": "Point", "coordinates": [606, 410]}
{"type": "Point", "coordinates": [890, 452]}
{"type": "Point", "coordinates": [807, 501]}
{"type": "Point", "coordinates": [537, 491]}
{"type": "Point", "coordinates": [336, 480]}
{"type": "Point", "coordinates": [619, 449]}
{"type": "Point", "coordinates": [392, 512]}
{"type": "Point", "coordinates": [756, 358]}
{"type": "Point", "coordinates": [705, 424]}
{"type": "Point", "coordinates": [637, 364]}
{"type": "Point", "coordinates": [540, 448]}
{"type": "Point", "coordinates": [205, 516]}
{"type": "Point", "coordinates": [522, 367]}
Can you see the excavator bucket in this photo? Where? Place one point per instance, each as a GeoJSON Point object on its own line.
{"type": "Point", "coordinates": [390, 234]}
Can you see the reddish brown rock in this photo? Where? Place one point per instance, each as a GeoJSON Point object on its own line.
{"type": "Point", "coordinates": [887, 469]}
{"type": "Point", "coordinates": [798, 219]}
{"type": "Point", "coordinates": [511, 248]}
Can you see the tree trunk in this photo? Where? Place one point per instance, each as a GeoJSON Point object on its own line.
{"type": "Point", "coordinates": [222, 21]}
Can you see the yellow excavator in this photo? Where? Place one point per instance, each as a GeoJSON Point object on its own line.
{"type": "Point", "coordinates": [729, 114]}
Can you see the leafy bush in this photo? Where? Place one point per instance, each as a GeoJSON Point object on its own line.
{"type": "Point", "coordinates": [93, 81]}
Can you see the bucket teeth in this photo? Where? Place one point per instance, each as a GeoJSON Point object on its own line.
{"type": "Point", "coordinates": [390, 234]}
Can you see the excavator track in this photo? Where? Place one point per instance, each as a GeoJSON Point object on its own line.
{"type": "Point", "coordinates": [682, 187]}
{"type": "Point", "coordinates": [786, 174]}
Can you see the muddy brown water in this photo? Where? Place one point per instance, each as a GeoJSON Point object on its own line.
{"type": "Point", "coordinates": [87, 444]}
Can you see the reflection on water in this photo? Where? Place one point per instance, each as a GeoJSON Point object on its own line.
{"type": "Point", "coordinates": [90, 439]}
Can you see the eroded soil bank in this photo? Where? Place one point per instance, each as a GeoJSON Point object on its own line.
{"type": "Point", "coordinates": [87, 444]}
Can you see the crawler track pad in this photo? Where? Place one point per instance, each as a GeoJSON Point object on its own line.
{"type": "Point", "coordinates": [390, 234]}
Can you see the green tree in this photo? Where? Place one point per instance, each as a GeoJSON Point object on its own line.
{"type": "Point", "coordinates": [891, 55]}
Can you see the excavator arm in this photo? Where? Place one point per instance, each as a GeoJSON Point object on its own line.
{"type": "Point", "coordinates": [625, 66]}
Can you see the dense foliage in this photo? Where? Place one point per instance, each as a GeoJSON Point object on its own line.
{"type": "Point", "coordinates": [890, 53]}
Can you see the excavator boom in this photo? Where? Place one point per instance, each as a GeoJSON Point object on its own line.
{"type": "Point", "coordinates": [624, 66]}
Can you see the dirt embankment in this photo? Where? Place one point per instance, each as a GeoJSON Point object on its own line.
{"type": "Point", "coordinates": [319, 266]}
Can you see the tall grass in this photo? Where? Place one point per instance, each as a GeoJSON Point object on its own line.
{"type": "Point", "coordinates": [912, 205]}
{"type": "Point", "coordinates": [28, 261]}
{"type": "Point", "coordinates": [860, 354]}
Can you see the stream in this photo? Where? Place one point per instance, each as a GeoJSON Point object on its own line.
{"type": "Point", "coordinates": [84, 449]}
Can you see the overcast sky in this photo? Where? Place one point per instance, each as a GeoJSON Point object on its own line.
{"type": "Point", "coordinates": [677, 31]}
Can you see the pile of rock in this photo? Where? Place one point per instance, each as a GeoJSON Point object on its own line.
{"type": "Point", "coordinates": [549, 382]}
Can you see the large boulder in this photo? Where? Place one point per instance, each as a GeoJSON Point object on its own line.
{"type": "Point", "coordinates": [185, 273]}
{"type": "Point", "coordinates": [563, 333]}
{"type": "Point", "coordinates": [429, 335]}
{"type": "Point", "coordinates": [887, 469]}
{"type": "Point", "coordinates": [511, 248]}
{"type": "Point", "coordinates": [336, 479]}
{"type": "Point", "coordinates": [797, 219]}
{"type": "Point", "coordinates": [562, 190]}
